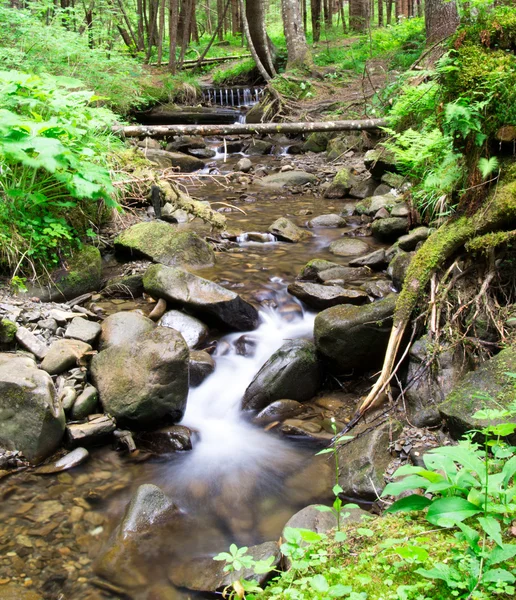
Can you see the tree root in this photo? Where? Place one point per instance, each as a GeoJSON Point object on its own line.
{"type": "Point", "coordinates": [498, 213]}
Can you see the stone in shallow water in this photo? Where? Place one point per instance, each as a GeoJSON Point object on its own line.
{"type": "Point", "coordinates": [328, 221]}
{"type": "Point", "coordinates": [278, 411]}
{"type": "Point", "coordinates": [287, 179]}
{"type": "Point", "coordinates": [70, 460]}
{"type": "Point", "coordinates": [175, 438]}
{"type": "Point", "coordinates": [375, 260]}
{"type": "Point", "coordinates": [324, 296]}
{"type": "Point", "coordinates": [94, 431]}
{"type": "Point", "coordinates": [287, 231]}
{"type": "Point", "coordinates": [85, 404]}
{"type": "Point", "coordinates": [349, 247]}
{"type": "Point", "coordinates": [12, 591]}
{"type": "Point", "coordinates": [201, 366]}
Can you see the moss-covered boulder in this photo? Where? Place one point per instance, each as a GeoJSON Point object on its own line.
{"type": "Point", "coordinates": [354, 338]}
{"type": "Point", "coordinates": [489, 387]}
{"type": "Point", "coordinates": [380, 161]}
{"type": "Point", "coordinates": [317, 141]}
{"type": "Point", "coordinates": [31, 418]}
{"type": "Point", "coordinates": [341, 184]}
{"type": "Point", "coordinates": [7, 332]}
{"type": "Point", "coordinates": [163, 243]}
{"type": "Point", "coordinates": [389, 229]}
{"type": "Point", "coordinates": [292, 372]}
{"type": "Point", "coordinates": [341, 144]}
{"type": "Point", "coordinates": [79, 274]}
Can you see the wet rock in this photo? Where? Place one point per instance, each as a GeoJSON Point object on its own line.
{"type": "Point", "coordinates": [82, 274]}
{"type": "Point", "coordinates": [278, 411]}
{"type": "Point", "coordinates": [67, 398]}
{"type": "Point", "coordinates": [259, 148]}
{"type": "Point", "coordinates": [411, 240]}
{"type": "Point", "coordinates": [288, 178]}
{"type": "Point", "coordinates": [380, 161]}
{"type": "Point", "coordinates": [245, 345]}
{"type": "Point", "coordinates": [127, 286]}
{"type": "Point", "coordinates": [364, 460]}
{"type": "Point", "coordinates": [63, 355]}
{"type": "Point", "coordinates": [185, 143]}
{"type": "Point", "coordinates": [341, 184]}
{"type": "Point", "coordinates": [313, 519]}
{"type": "Point", "coordinates": [84, 330]}
{"type": "Point", "coordinates": [30, 342]}
{"type": "Point", "coordinates": [389, 230]}
{"type": "Point", "coordinates": [165, 159]}
{"type": "Point", "coordinates": [320, 271]}
{"type": "Point", "coordinates": [489, 387]}
{"type": "Point", "coordinates": [145, 382]}
{"type": "Point", "coordinates": [232, 147]}
{"type": "Point", "coordinates": [85, 404]}
{"type": "Point", "coordinates": [398, 268]}
{"type": "Point", "coordinates": [349, 247]}
{"type": "Point", "coordinates": [175, 438]}
{"type": "Point", "coordinates": [244, 165]}
{"type": "Point", "coordinates": [163, 243]}
{"type": "Point", "coordinates": [201, 296]}
{"type": "Point", "coordinates": [328, 221]}
{"type": "Point", "coordinates": [203, 153]}
{"type": "Point", "coordinates": [378, 288]}
{"type": "Point", "coordinates": [363, 189]}
{"type": "Point", "coordinates": [375, 260]}
{"type": "Point", "coordinates": [400, 210]}
{"type": "Point", "coordinates": [171, 214]}
{"type": "Point", "coordinates": [382, 189]}
{"type": "Point", "coordinates": [323, 296]}
{"type": "Point", "coordinates": [203, 574]}
{"type": "Point", "coordinates": [429, 383]}
{"type": "Point", "coordinates": [193, 331]}
{"type": "Point", "coordinates": [201, 366]}
{"type": "Point", "coordinates": [317, 141]}
{"type": "Point", "coordinates": [31, 419]}
{"type": "Point", "coordinates": [370, 206]}
{"type": "Point", "coordinates": [68, 461]}
{"type": "Point", "coordinates": [292, 372]}
{"type": "Point", "coordinates": [158, 311]}
{"type": "Point", "coordinates": [164, 592]}
{"type": "Point", "coordinates": [96, 430]}
{"type": "Point", "coordinates": [286, 231]}
{"type": "Point", "coordinates": [124, 328]}
{"type": "Point", "coordinates": [354, 338]}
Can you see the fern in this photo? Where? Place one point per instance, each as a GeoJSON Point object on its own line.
{"type": "Point", "coordinates": [487, 166]}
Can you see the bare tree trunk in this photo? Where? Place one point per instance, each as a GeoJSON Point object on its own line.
{"type": "Point", "coordinates": [441, 19]}
{"type": "Point", "coordinates": [245, 23]}
{"type": "Point", "coordinates": [220, 19]}
{"type": "Point", "coordinates": [235, 18]}
{"type": "Point", "coordinates": [173, 16]}
{"type": "Point", "coordinates": [194, 31]}
{"type": "Point", "coordinates": [255, 16]}
{"type": "Point", "coordinates": [380, 13]}
{"type": "Point", "coordinates": [187, 17]}
{"type": "Point", "coordinates": [161, 31]}
{"type": "Point", "coordinates": [139, 11]}
{"type": "Point", "coordinates": [316, 19]}
{"type": "Point", "coordinates": [299, 55]}
{"type": "Point", "coordinates": [359, 15]}
{"type": "Point", "coordinates": [389, 11]}
{"type": "Point", "coordinates": [219, 26]}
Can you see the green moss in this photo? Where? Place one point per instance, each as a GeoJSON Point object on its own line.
{"type": "Point", "coordinates": [7, 331]}
{"type": "Point", "coordinates": [485, 243]}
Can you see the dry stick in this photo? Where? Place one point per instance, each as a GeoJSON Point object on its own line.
{"type": "Point", "coordinates": [213, 38]}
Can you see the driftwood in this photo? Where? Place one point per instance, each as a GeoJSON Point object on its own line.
{"type": "Point", "coordinates": [159, 131]}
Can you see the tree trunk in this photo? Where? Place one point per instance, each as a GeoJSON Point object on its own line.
{"type": "Point", "coordinates": [160, 131]}
{"type": "Point", "coordinates": [247, 32]}
{"type": "Point", "coordinates": [299, 55]}
{"type": "Point", "coordinates": [186, 21]}
{"type": "Point", "coordinates": [220, 19]}
{"type": "Point", "coordinates": [236, 22]}
{"type": "Point", "coordinates": [255, 16]}
{"type": "Point", "coordinates": [173, 15]}
{"type": "Point", "coordinates": [316, 19]}
{"type": "Point", "coordinates": [389, 11]}
{"type": "Point", "coordinates": [359, 15]}
{"type": "Point", "coordinates": [380, 13]}
{"type": "Point", "coordinates": [441, 19]}
{"type": "Point", "coordinates": [219, 27]}
{"type": "Point", "coordinates": [161, 31]}
{"type": "Point", "coordinates": [194, 30]}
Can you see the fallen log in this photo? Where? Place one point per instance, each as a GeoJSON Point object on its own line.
{"type": "Point", "coordinates": [159, 131]}
{"type": "Point", "coordinates": [207, 61]}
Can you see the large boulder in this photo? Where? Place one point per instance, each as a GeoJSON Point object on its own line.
{"type": "Point", "coordinates": [146, 381]}
{"type": "Point", "coordinates": [354, 338]}
{"type": "Point", "coordinates": [489, 387]}
{"type": "Point", "coordinates": [292, 372]}
{"type": "Point", "coordinates": [317, 141]}
{"type": "Point", "coordinates": [341, 184]}
{"type": "Point", "coordinates": [389, 229]}
{"type": "Point", "coordinates": [380, 161]}
{"type": "Point", "coordinates": [194, 331]}
{"type": "Point", "coordinates": [31, 418]}
{"type": "Point", "coordinates": [328, 221]}
{"type": "Point", "coordinates": [323, 296]}
{"type": "Point", "coordinates": [124, 328]}
{"type": "Point", "coordinates": [165, 159]}
{"type": "Point", "coordinates": [288, 178]}
{"type": "Point", "coordinates": [201, 296]}
{"type": "Point", "coordinates": [163, 243]}
{"type": "Point", "coordinates": [82, 273]}
{"type": "Point", "coordinates": [370, 206]}
{"type": "Point", "coordinates": [287, 231]}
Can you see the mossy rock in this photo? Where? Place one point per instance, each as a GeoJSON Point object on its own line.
{"type": "Point", "coordinates": [341, 184]}
{"type": "Point", "coordinates": [489, 387]}
{"type": "Point", "coordinates": [317, 141]}
{"type": "Point", "coordinates": [380, 161]}
{"type": "Point", "coordinates": [340, 144]}
{"type": "Point", "coordinates": [80, 274]}
{"type": "Point", "coordinates": [163, 243]}
{"type": "Point", "coordinates": [7, 332]}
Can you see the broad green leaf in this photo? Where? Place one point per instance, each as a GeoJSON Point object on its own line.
{"type": "Point", "coordinates": [310, 536]}
{"type": "Point", "coordinates": [464, 457]}
{"type": "Point", "coordinates": [411, 482]}
{"type": "Point", "coordinates": [494, 575]}
{"type": "Point", "coordinates": [443, 572]}
{"type": "Point", "coordinates": [412, 553]}
{"type": "Point", "coordinates": [319, 584]}
{"type": "Point", "coordinates": [325, 451]}
{"type": "Point", "coordinates": [337, 489]}
{"type": "Point", "coordinates": [492, 527]}
{"type": "Point", "coordinates": [413, 502]}
{"type": "Point", "coordinates": [365, 532]}
{"type": "Point", "coordinates": [472, 536]}
{"type": "Point", "coordinates": [501, 554]}
{"type": "Point", "coordinates": [339, 590]}
{"type": "Point", "coordinates": [341, 536]}
{"type": "Point", "coordinates": [508, 471]}
{"type": "Point", "coordinates": [445, 512]}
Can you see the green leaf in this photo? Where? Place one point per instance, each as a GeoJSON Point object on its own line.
{"type": "Point", "coordinates": [340, 536]}
{"type": "Point", "coordinates": [508, 471]}
{"type": "Point", "coordinates": [337, 489]}
{"type": "Point", "coordinates": [319, 584]}
{"type": "Point", "coordinates": [325, 451]}
{"type": "Point", "coordinates": [501, 554]}
{"type": "Point", "coordinates": [495, 575]}
{"type": "Point", "coordinates": [446, 512]}
{"type": "Point", "coordinates": [365, 532]}
{"type": "Point", "coordinates": [492, 527]}
{"type": "Point", "coordinates": [310, 536]}
{"type": "Point", "coordinates": [339, 590]}
{"type": "Point", "coordinates": [412, 502]}
{"type": "Point", "coordinates": [415, 553]}
{"type": "Point", "coordinates": [408, 483]}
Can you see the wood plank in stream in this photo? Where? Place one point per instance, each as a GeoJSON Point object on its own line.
{"type": "Point", "coordinates": [159, 131]}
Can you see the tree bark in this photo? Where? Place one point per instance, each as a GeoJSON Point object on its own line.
{"type": "Point", "coordinates": [255, 16]}
{"type": "Point", "coordinates": [441, 20]}
{"type": "Point", "coordinates": [316, 19]}
{"type": "Point", "coordinates": [299, 55]}
{"type": "Point", "coordinates": [173, 15]}
{"type": "Point", "coordinates": [160, 131]}
{"type": "Point", "coordinates": [358, 15]}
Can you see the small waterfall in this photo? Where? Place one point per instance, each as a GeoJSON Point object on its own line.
{"type": "Point", "coordinates": [235, 97]}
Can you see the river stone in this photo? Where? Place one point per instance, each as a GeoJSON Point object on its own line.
{"type": "Point", "coordinates": [166, 160]}
{"type": "Point", "coordinates": [201, 366]}
{"type": "Point", "coordinates": [85, 404]}
{"type": "Point", "coordinates": [378, 288]}
{"type": "Point", "coordinates": [380, 161]}
{"type": "Point", "coordinates": [364, 460]}
{"type": "Point", "coordinates": [30, 342]}
{"type": "Point", "coordinates": [31, 419]}
{"type": "Point", "coordinates": [81, 274]}
{"type": "Point", "coordinates": [84, 330]}
{"type": "Point", "coordinates": [354, 338]}
{"type": "Point", "coordinates": [259, 148]}
{"type": "Point", "coordinates": [292, 372]}
{"type": "Point", "coordinates": [8, 332]}
{"type": "Point", "coordinates": [319, 270]}
{"type": "Point", "coordinates": [341, 184]}
{"type": "Point", "coordinates": [349, 247]}
{"type": "Point", "coordinates": [194, 331]}
{"type": "Point", "coordinates": [145, 382]}
{"type": "Point", "coordinates": [288, 178]}
{"type": "Point", "coordinates": [323, 296]}
{"type": "Point", "coordinates": [68, 461]}
{"type": "Point", "coordinates": [382, 189]}
{"type": "Point", "coordinates": [317, 141]}
{"type": "Point", "coordinates": [185, 143]}
{"type": "Point", "coordinates": [411, 240]}
{"type": "Point", "coordinates": [124, 328]}
{"type": "Point", "coordinates": [363, 189]}
{"type": "Point", "coordinates": [174, 438]}
{"type": "Point", "coordinates": [12, 591]}
{"type": "Point", "coordinates": [398, 266]}
{"type": "Point", "coordinates": [489, 387]}
{"type": "Point", "coordinates": [328, 221]}
{"type": "Point", "coordinates": [127, 286]}
{"type": "Point", "coordinates": [63, 355]}
{"type": "Point", "coordinates": [278, 411]}
{"type": "Point", "coordinates": [313, 519]}
{"type": "Point", "coordinates": [200, 295]}
{"type": "Point", "coordinates": [390, 229]}
{"type": "Point", "coordinates": [286, 231]}
{"type": "Point", "coordinates": [375, 260]}
{"type": "Point", "coordinates": [430, 382]}
{"type": "Point", "coordinates": [163, 243]}
{"type": "Point", "coordinates": [244, 165]}
{"type": "Point", "coordinates": [370, 206]}
{"type": "Point", "coordinates": [96, 430]}
{"type": "Point", "coordinates": [203, 574]}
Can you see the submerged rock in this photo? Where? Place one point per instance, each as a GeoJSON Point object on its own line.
{"type": "Point", "coordinates": [163, 243]}
{"type": "Point", "coordinates": [324, 296]}
{"type": "Point", "coordinates": [124, 328]}
{"type": "Point", "coordinates": [194, 331]}
{"type": "Point", "coordinates": [31, 418]}
{"type": "Point", "coordinates": [145, 382]}
{"type": "Point", "coordinates": [201, 296]}
{"type": "Point", "coordinates": [292, 372]}
{"type": "Point", "coordinates": [68, 461]}
{"type": "Point", "coordinates": [286, 231]}
{"type": "Point", "coordinates": [354, 338]}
